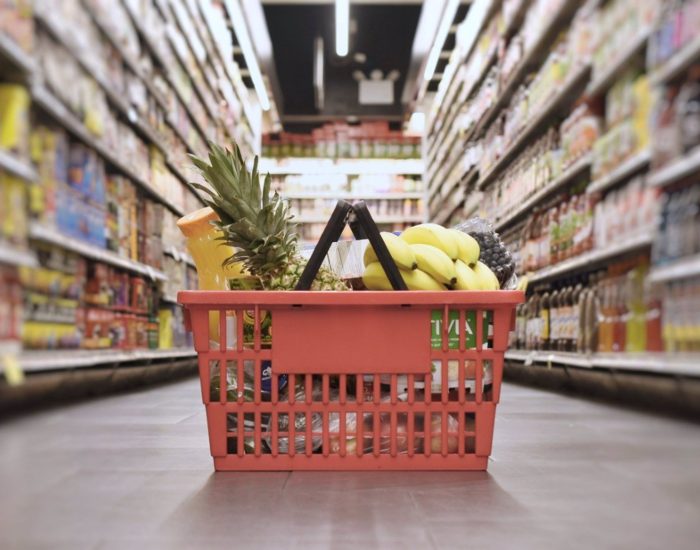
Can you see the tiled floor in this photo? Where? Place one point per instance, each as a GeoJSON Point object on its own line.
{"type": "Point", "coordinates": [133, 471]}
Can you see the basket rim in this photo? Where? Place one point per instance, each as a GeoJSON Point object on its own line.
{"type": "Point", "coordinates": [476, 298]}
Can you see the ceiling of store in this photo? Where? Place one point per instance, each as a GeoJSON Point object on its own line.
{"type": "Point", "coordinates": [383, 32]}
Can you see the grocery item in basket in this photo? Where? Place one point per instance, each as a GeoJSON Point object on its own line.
{"type": "Point", "coordinates": [299, 424]}
{"type": "Point", "coordinates": [436, 434]}
{"type": "Point", "coordinates": [494, 253]}
{"type": "Point", "coordinates": [351, 435]}
{"type": "Point", "coordinates": [255, 222]}
{"type": "Point", "coordinates": [400, 251]}
{"type": "Point", "coordinates": [247, 391]}
{"type": "Point", "coordinates": [375, 278]}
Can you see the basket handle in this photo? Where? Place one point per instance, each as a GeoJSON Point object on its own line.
{"type": "Point", "coordinates": [361, 224]}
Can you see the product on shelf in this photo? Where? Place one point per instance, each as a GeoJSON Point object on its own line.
{"type": "Point", "coordinates": [679, 25]}
{"type": "Point", "coordinates": [14, 119]}
{"type": "Point", "coordinates": [678, 233]}
{"type": "Point", "coordinates": [680, 302]}
{"type": "Point", "coordinates": [11, 311]}
{"type": "Point", "coordinates": [676, 121]}
{"type": "Point", "coordinates": [620, 24]}
{"type": "Point", "coordinates": [627, 121]}
{"type": "Point", "coordinates": [13, 211]}
{"type": "Point", "coordinates": [367, 140]}
{"type": "Point", "coordinates": [17, 22]}
{"type": "Point", "coordinates": [615, 310]}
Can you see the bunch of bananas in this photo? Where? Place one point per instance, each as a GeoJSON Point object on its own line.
{"type": "Point", "coordinates": [431, 257]}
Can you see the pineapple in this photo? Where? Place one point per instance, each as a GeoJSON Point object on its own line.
{"type": "Point", "coordinates": [255, 222]}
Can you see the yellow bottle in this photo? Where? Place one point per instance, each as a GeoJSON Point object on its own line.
{"type": "Point", "coordinates": [209, 254]}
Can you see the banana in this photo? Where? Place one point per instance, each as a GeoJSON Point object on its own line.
{"type": "Point", "coordinates": [486, 277]}
{"type": "Point", "coordinates": [375, 279]}
{"type": "Point", "coordinates": [466, 278]}
{"type": "Point", "coordinates": [468, 248]}
{"type": "Point", "coordinates": [434, 235]}
{"type": "Point", "coordinates": [435, 263]}
{"type": "Point", "coordinates": [400, 251]}
{"type": "Point", "coordinates": [420, 280]}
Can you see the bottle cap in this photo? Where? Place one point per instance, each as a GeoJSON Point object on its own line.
{"type": "Point", "coordinates": [197, 222]}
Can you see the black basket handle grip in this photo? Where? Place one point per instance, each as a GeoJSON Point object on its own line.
{"type": "Point", "coordinates": [362, 225]}
{"type": "Point", "coordinates": [365, 221]}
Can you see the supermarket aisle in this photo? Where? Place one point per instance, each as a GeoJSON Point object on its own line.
{"type": "Point", "coordinates": [133, 471]}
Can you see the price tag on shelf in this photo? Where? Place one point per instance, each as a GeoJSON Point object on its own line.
{"type": "Point", "coordinates": [14, 375]}
{"type": "Point", "coordinates": [176, 253]}
{"type": "Point", "coordinates": [150, 272]}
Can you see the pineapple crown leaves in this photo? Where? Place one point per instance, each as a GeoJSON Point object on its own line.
{"type": "Point", "coordinates": [252, 220]}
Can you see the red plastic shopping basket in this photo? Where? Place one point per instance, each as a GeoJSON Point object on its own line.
{"type": "Point", "coordinates": [400, 380]}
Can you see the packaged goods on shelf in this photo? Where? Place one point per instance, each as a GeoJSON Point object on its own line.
{"type": "Point", "coordinates": [171, 328]}
{"type": "Point", "coordinates": [16, 21]}
{"type": "Point", "coordinates": [627, 123]}
{"type": "Point", "coordinates": [13, 210]}
{"type": "Point", "coordinates": [537, 19]}
{"type": "Point", "coordinates": [51, 294]}
{"type": "Point", "coordinates": [615, 310]}
{"type": "Point", "coordinates": [545, 161]}
{"type": "Point", "coordinates": [624, 213]}
{"type": "Point", "coordinates": [676, 121]}
{"type": "Point", "coordinates": [580, 221]}
{"type": "Point", "coordinates": [619, 24]}
{"type": "Point", "coordinates": [368, 140]}
{"type": "Point", "coordinates": [14, 119]}
{"type": "Point", "coordinates": [681, 315]}
{"type": "Point", "coordinates": [678, 236]}
{"type": "Point", "coordinates": [323, 208]}
{"type": "Point", "coordinates": [10, 305]}
{"type": "Point", "coordinates": [679, 25]}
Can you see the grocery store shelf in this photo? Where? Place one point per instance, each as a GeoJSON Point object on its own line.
{"type": "Point", "coordinates": [74, 359]}
{"type": "Point", "coordinates": [560, 357]}
{"type": "Point", "coordinates": [52, 236]}
{"type": "Point", "coordinates": [169, 299]}
{"type": "Point", "coordinates": [471, 205]}
{"type": "Point", "coordinates": [565, 96]}
{"type": "Point", "coordinates": [448, 132]}
{"type": "Point", "coordinates": [132, 64]}
{"type": "Point", "coordinates": [686, 364]}
{"type": "Point", "coordinates": [682, 268]}
{"type": "Point", "coordinates": [533, 56]}
{"type": "Point", "coordinates": [52, 105]}
{"type": "Point", "coordinates": [377, 219]}
{"type": "Point", "coordinates": [323, 166]}
{"type": "Point", "coordinates": [20, 168]}
{"type": "Point", "coordinates": [354, 196]}
{"type": "Point", "coordinates": [677, 63]}
{"type": "Point", "coordinates": [10, 255]}
{"type": "Point", "coordinates": [148, 82]}
{"type": "Point", "coordinates": [613, 68]}
{"type": "Point", "coordinates": [192, 39]}
{"type": "Point", "coordinates": [676, 170]}
{"type": "Point", "coordinates": [580, 166]}
{"type": "Point", "coordinates": [11, 51]}
{"type": "Point", "coordinates": [592, 258]}
{"type": "Point", "coordinates": [113, 95]}
{"type": "Point", "coordinates": [624, 171]}
{"type": "Point", "coordinates": [179, 256]}
{"type": "Point", "coordinates": [148, 41]}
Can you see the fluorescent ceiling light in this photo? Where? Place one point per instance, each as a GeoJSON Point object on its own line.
{"type": "Point", "coordinates": [241, 30]}
{"type": "Point", "coordinates": [342, 27]}
{"type": "Point", "coordinates": [448, 17]}
{"type": "Point", "coordinates": [318, 74]}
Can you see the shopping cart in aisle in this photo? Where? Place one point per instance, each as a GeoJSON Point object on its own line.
{"type": "Point", "coordinates": [308, 380]}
